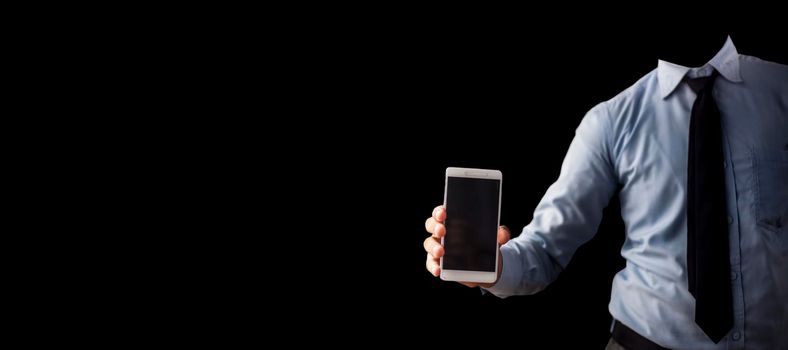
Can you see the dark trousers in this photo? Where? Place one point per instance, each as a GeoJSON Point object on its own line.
{"type": "Point", "coordinates": [626, 339]}
{"type": "Point", "coordinates": [612, 345]}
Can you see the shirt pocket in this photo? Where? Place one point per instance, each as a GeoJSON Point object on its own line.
{"type": "Point", "coordinates": [771, 176]}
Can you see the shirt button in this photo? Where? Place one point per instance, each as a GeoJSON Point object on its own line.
{"type": "Point", "coordinates": [730, 220]}
{"type": "Point", "coordinates": [733, 275]}
{"type": "Point", "coordinates": [724, 164]}
{"type": "Point", "coordinates": [736, 335]}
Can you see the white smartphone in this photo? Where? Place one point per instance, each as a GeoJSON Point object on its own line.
{"type": "Point", "coordinates": [472, 199]}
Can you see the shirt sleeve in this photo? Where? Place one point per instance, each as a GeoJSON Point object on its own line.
{"type": "Point", "coordinates": [567, 216]}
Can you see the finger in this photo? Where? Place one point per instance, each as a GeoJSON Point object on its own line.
{"type": "Point", "coordinates": [503, 235]}
{"type": "Point", "coordinates": [438, 231]}
{"type": "Point", "coordinates": [470, 284]}
{"type": "Point", "coordinates": [439, 214]}
{"type": "Point", "coordinates": [430, 225]}
{"type": "Point", "coordinates": [433, 267]}
{"type": "Point", "coordinates": [436, 251]}
{"type": "Point", "coordinates": [433, 247]}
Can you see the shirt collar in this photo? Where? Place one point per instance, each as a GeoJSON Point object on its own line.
{"type": "Point", "coordinates": [726, 61]}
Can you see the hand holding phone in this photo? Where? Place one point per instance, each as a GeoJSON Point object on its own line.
{"type": "Point", "coordinates": [466, 248]}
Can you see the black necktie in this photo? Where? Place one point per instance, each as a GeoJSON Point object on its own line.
{"type": "Point", "coordinates": [707, 224]}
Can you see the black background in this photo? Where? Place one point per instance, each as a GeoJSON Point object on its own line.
{"type": "Point", "coordinates": [507, 95]}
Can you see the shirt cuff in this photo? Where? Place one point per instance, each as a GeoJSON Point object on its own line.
{"type": "Point", "coordinates": [510, 276]}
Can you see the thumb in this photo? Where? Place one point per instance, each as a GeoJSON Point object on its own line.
{"type": "Point", "coordinates": [503, 234]}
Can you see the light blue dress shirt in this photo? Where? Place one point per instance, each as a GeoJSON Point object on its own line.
{"type": "Point", "coordinates": [638, 141]}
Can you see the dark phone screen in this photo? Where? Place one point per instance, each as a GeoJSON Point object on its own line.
{"type": "Point", "coordinates": [471, 224]}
